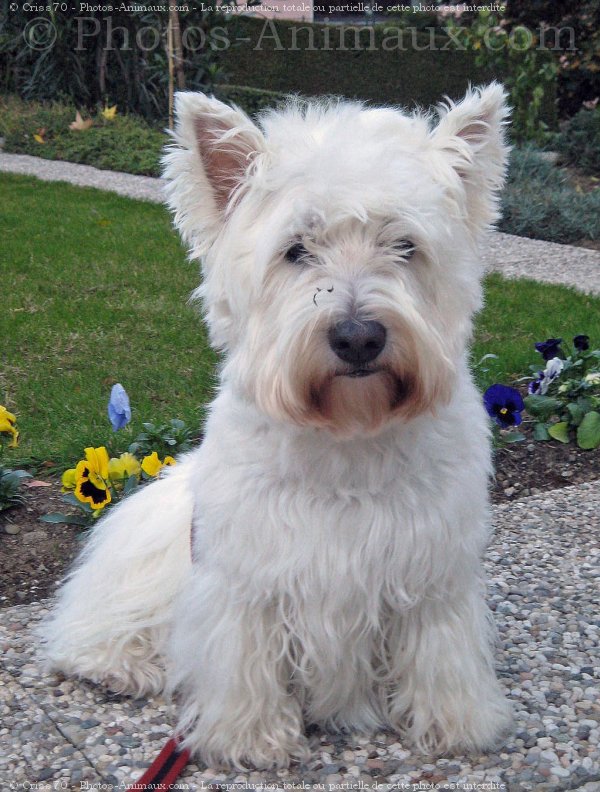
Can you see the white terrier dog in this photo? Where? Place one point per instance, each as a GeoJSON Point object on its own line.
{"type": "Point", "coordinates": [337, 509]}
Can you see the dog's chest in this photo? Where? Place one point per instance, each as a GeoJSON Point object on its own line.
{"type": "Point", "coordinates": [328, 520]}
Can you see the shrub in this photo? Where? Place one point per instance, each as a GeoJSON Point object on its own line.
{"type": "Point", "coordinates": [537, 202]}
{"type": "Point", "coordinates": [567, 23]}
{"type": "Point", "coordinates": [579, 140]}
{"type": "Point", "coordinates": [529, 76]}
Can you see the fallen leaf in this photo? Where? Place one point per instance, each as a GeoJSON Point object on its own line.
{"type": "Point", "coordinates": [79, 124]}
{"type": "Point", "coordinates": [109, 112]}
{"type": "Point", "coordinates": [36, 483]}
{"type": "Point", "coordinates": [38, 138]}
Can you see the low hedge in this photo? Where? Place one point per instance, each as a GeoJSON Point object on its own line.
{"type": "Point", "coordinates": [251, 100]}
{"type": "Point", "coordinates": [315, 60]}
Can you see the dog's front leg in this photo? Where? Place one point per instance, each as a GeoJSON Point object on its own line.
{"type": "Point", "coordinates": [229, 666]}
{"type": "Point", "coordinates": [445, 693]}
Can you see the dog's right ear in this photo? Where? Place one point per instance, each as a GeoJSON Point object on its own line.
{"type": "Point", "coordinates": [206, 164]}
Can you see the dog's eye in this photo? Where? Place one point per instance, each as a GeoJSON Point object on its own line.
{"type": "Point", "coordinates": [404, 248]}
{"type": "Point", "coordinates": [295, 253]}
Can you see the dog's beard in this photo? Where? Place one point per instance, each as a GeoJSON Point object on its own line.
{"type": "Point", "coordinates": [350, 403]}
{"type": "Point", "coordinates": [310, 386]}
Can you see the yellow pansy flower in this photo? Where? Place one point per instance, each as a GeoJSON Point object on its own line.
{"type": "Point", "coordinates": [69, 479]}
{"type": "Point", "coordinates": [151, 464]}
{"type": "Point", "coordinates": [92, 478]}
{"type": "Point", "coordinates": [7, 426]}
{"type": "Point", "coordinates": [123, 467]}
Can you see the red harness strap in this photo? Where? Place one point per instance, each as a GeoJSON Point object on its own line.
{"type": "Point", "coordinates": [164, 770]}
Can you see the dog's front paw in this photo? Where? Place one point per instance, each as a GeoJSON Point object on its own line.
{"type": "Point", "coordinates": [454, 724]}
{"type": "Point", "coordinates": [262, 747]}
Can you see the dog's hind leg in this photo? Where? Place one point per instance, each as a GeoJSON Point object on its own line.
{"type": "Point", "coordinates": [114, 609]}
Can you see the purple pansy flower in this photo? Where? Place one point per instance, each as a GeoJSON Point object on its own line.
{"type": "Point", "coordinates": [546, 377]}
{"type": "Point", "coordinates": [581, 342]}
{"type": "Point", "coordinates": [119, 411]}
{"type": "Point", "coordinates": [504, 405]}
{"type": "Point", "coordinates": [550, 348]}
{"type": "Point", "coordinates": [535, 387]}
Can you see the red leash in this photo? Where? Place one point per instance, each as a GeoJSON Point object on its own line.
{"type": "Point", "coordinates": [164, 770]}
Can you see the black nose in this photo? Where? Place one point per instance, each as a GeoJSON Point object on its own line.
{"type": "Point", "coordinates": [357, 342]}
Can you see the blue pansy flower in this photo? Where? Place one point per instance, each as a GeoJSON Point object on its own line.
{"type": "Point", "coordinates": [119, 411]}
{"type": "Point", "coordinates": [504, 405]}
{"type": "Point", "coordinates": [550, 348]}
{"type": "Point", "coordinates": [581, 342]}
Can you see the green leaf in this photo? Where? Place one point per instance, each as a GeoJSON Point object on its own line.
{"type": "Point", "coordinates": [585, 403]}
{"type": "Point", "coordinates": [540, 432]}
{"type": "Point", "coordinates": [70, 519]}
{"type": "Point", "coordinates": [559, 431]}
{"type": "Point", "coordinates": [70, 498]}
{"type": "Point", "coordinates": [576, 413]}
{"type": "Point", "coordinates": [12, 478]}
{"type": "Point", "coordinates": [20, 474]}
{"type": "Point", "coordinates": [588, 433]}
{"type": "Point", "coordinates": [130, 485]}
{"type": "Point", "coordinates": [513, 437]}
{"type": "Point", "coordinates": [542, 407]}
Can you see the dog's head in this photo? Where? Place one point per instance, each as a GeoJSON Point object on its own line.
{"type": "Point", "coordinates": [339, 248]}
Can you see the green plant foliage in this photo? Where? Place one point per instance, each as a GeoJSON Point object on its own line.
{"type": "Point", "coordinates": [579, 140]}
{"type": "Point", "coordinates": [564, 398]}
{"type": "Point", "coordinates": [10, 481]}
{"type": "Point", "coordinates": [538, 202]}
{"type": "Point", "coordinates": [166, 439]}
{"type": "Point", "coordinates": [530, 75]}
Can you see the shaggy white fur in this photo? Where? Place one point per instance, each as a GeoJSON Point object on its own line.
{"type": "Point", "coordinates": [338, 506]}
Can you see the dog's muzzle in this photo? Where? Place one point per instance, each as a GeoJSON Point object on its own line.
{"type": "Point", "coordinates": [357, 342]}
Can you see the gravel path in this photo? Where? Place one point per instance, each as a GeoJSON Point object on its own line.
{"type": "Point", "coordinates": [544, 587]}
{"type": "Point", "coordinates": [514, 257]}
{"type": "Point", "coordinates": [144, 188]}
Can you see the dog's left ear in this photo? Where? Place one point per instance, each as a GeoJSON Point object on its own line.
{"type": "Point", "coordinates": [206, 164]}
{"type": "Point", "coordinates": [471, 135]}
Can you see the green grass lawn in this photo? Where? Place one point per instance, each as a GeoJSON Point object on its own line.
{"type": "Point", "coordinates": [94, 291]}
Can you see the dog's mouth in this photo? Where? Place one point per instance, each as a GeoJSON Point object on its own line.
{"type": "Point", "coordinates": [358, 373]}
